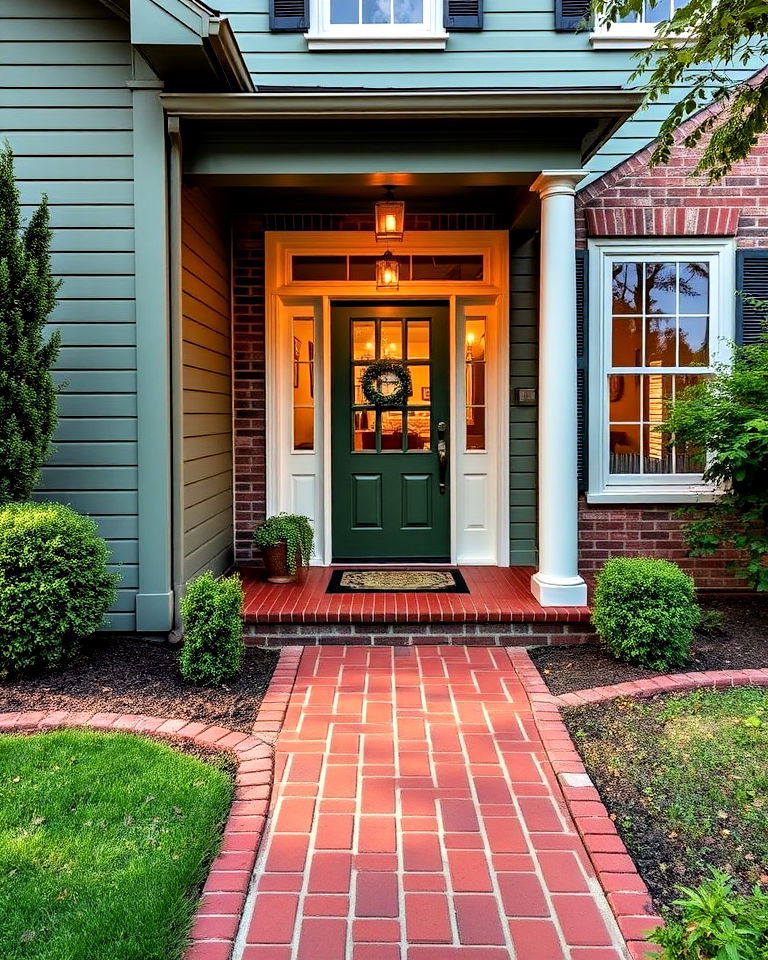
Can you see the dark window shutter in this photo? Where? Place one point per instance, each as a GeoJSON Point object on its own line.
{"type": "Point", "coordinates": [289, 15]}
{"type": "Point", "coordinates": [582, 385]}
{"type": "Point", "coordinates": [571, 14]}
{"type": "Point", "coordinates": [463, 14]}
{"type": "Point", "coordinates": [751, 280]}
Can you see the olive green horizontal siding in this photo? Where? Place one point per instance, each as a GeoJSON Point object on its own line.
{"type": "Point", "coordinates": [66, 112]}
{"type": "Point", "coordinates": [207, 386]}
{"type": "Point", "coordinates": [523, 337]}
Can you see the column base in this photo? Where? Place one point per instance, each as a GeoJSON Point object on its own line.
{"type": "Point", "coordinates": [559, 591]}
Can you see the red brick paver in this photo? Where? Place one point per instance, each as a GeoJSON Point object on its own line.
{"type": "Point", "coordinates": [415, 816]}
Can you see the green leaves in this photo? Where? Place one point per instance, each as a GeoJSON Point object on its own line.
{"type": "Point", "coordinates": [292, 528]}
{"type": "Point", "coordinates": [212, 613]}
{"type": "Point", "coordinates": [691, 50]}
{"type": "Point", "coordinates": [28, 407]}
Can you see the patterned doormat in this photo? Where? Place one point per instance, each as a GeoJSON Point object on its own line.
{"type": "Point", "coordinates": [397, 581]}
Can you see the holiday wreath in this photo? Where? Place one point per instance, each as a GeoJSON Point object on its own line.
{"type": "Point", "coordinates": [372, 375]}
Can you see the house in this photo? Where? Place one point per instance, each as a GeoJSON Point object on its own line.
{"type": "Point", "coordinates": [213, 179]}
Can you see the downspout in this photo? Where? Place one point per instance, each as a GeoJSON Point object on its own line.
{"type": "Point", "coordinates": [176, 353]}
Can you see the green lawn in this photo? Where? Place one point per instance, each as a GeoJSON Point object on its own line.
{"type": "Point", "coordinates": [104, 841]}
{"type": "Point", "coordinates": [686, 778]}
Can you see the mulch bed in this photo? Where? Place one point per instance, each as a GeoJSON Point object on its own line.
{"type": "Point", "coordinates": [119, 674]}
{"type": "Point", "coordinates": [742, 644]}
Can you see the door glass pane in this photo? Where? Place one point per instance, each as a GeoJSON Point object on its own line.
{"type": "Point", "coordinates": [420, 381]}
{"type": "Point", "coordinates": [364, 430]}
{"type": "Point", "coordinates": [475, 428]}
{"type": "Point", "coordinates": [357, 373]}
{"type": "Point", "coordinates": [474, 382]}
{"type": "Point", "coordinates": [419, 430]}
{"type": "Point", "coordinates": [418, 339]}
{"type": "Point", "coordinates": [303, 383]}
{"type": "Point", "coordinates": [475, 340]}
{"type": "Point", "coordinates": [391, 431]}
{"type": "Point", "coordinates": [363, 339]}
{"type": "Point", "coordinates": [391, 340]}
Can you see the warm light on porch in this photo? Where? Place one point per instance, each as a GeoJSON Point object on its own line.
{"type": "Point", "coordinates": [389, 217]}
{"type": "Point", "coordinates": [387, 272]}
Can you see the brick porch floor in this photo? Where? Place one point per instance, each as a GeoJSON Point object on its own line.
{"type": "Point", "coordinates": [496, 595]}
{"type": "Point", "coordinates": [415, 817]}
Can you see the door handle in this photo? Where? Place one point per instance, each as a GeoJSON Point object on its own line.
{"type": "Point", "coordinates": [442, 453]}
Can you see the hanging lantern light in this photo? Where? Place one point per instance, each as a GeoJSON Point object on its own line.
{"type": "Point", "coordinates": [389, 216]}
{"type": "Point", "coordinates": [387, 272]}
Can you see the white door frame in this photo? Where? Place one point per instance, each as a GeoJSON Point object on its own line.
{"type": "Point", "coordinates": [300, 480]}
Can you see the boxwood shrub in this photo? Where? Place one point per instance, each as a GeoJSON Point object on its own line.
{"type": "Point", "coordinates": [212, 616]}
{"type": "Point", "coordinates": [645, 611]}
{"type": "Point", "coordinates": [54, 584]}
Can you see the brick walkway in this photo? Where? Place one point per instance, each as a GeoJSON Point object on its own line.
{"type": "Point", "coordinates": [415, 817]}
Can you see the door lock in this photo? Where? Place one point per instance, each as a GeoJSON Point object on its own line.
{"type": "Point", "coordinates": [442, 453]}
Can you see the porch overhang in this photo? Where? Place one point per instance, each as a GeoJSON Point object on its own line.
{"type": "Point", "coordinates": [593, 114]}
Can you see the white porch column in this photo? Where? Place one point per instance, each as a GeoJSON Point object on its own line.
{"type": "Point", "coordinates": [557, 582]}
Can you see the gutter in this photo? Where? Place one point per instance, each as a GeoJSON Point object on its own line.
{"type": "Point", "coordinates": [223, 45]}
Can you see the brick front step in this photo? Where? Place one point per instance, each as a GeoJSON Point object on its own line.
{"type": "Point", "coordinates": [444, 633]}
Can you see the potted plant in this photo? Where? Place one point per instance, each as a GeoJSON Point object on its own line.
{"type": "Point", "coordinates": [286, 542]}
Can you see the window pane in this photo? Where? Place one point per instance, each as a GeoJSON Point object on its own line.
{"type": "Point", "coordinates": [344, 11]}
{"type": "Point", "coordinates": [658, 13]}
{"type": "Point", "coordinates": [359, 395]}
{"type": "Point", "coordinates": [409, 11]}
{"type": "Point", "coordinates": [475, 428]}
{"type": "Point", "coordinates": [689, 459]}
{"type": "Point", "coordinates": [475, 384]}
{"type": "Point", "coordinates": [364, 430]}
{"type": "Point", "coordinates": [363, 339]}
{"type": "Point", "coordinates": [466, 267]}
{"type": "Point", "coordinates": [319, 268]}
{"type": "Point", "coordinates": [418, 339]}
{"type": "Point", "coordinates": [624, 397]}
{"type": "Point", "coordinates": [624, 448]}
{"type": "Point", "coordinates": [657, 453]}
{"type": "Point", "coordinates": [683, 381]}
{"type": "Point", "coordinates": [627, 288]}
{"type": "Point", "coordinates": [657, 393]}
{"type": "Point", "coordinates": [661, 288]}
{"type": "Point", "coordinates": [376, 11]}
{"type": "Point", "coordinates": [694, 340]}
{"type": "Point", "coordinates": [303, 383]}
{"type": "Point", "coordinates": [391, 339]}
{"type": "Point", "coordinates": [694, 288]}
{"type": "Point", "coordinates": [627, 342]}
{"type": "Point", "coordinates": [660, 338]}
{"type": "Point", "coordinates": [303, 428]}
{"type": "Point", "coordinates": [419, 430]}
{"type": "Point", "coordinates": [391, 431]}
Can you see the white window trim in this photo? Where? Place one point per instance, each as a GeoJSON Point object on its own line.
{"type": "Point", "coordinates": [627, 36]}
{"type": "Point", "coordinates": [607, 488]}
{"type": "Point", "coordinates": [324, 35]}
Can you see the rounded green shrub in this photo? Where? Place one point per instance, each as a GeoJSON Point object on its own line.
{"type": "Point", "coordinates": [645, 611]}
{"type": "Point", "coordinates": [54, 584]}
{"type": "Point", "coordinates": [212, 616]}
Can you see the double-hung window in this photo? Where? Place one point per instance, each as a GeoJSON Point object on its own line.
{"type": "Point", "coordinates": [376, 23]}
{"type": "Point", "coordinates": [661, 314]}
{"type": "Point", "coordinates": [636, 29]}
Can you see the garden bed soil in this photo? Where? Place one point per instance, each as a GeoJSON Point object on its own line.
{"type": "Point", "coordinates": [742, 644]}
{"type": "Point", "coordinates": [120, 674]}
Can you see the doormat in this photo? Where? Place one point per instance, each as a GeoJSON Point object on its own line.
{"type": "Point", "coordinates": [397, 581]}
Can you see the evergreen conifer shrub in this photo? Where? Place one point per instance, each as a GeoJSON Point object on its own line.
{"type": "Point", "coordinates": [54, 584]}
{"type": "Point", "coordinates": [645, 611]}
{"type": "Point", "coordinates": [212, 615]}
{"type": "Point", "coordinates": [28, 410]}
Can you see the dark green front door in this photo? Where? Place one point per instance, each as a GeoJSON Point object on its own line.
{"type": "Point", "coordinates": [387, 499]}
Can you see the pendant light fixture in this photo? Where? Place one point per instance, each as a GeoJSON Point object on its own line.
{"type": "Point", "coordinates": [387, 272]}
{"type": "Point", "coordinates": [389, 217]}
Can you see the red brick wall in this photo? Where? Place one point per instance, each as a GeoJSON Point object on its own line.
{"type": "Point", "coordinates": [249, 340]}
{"type": "Point", "coordinates": [651, 531]}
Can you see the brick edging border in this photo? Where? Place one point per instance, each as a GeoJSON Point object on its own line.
{"type": "Point", "coordinates": [218, 915]}
{"type": "Point", "coordinates": [624, 888]}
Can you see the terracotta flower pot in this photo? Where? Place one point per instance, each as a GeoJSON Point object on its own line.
{"type": "Point", "coordinates": [276, 563]}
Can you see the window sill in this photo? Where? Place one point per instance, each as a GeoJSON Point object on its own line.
{"type": "Point", "coordinates": [618, 39]}
{"type": "Point", "coordinates": [329, 41]}
{"type": "Point", "coordinates": [656, 494]}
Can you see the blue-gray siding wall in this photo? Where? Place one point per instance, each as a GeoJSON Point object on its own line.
{"type": "Point", "coordinates": [66, 110]}
{"type": "Point", "coordinates": [518, 47]}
